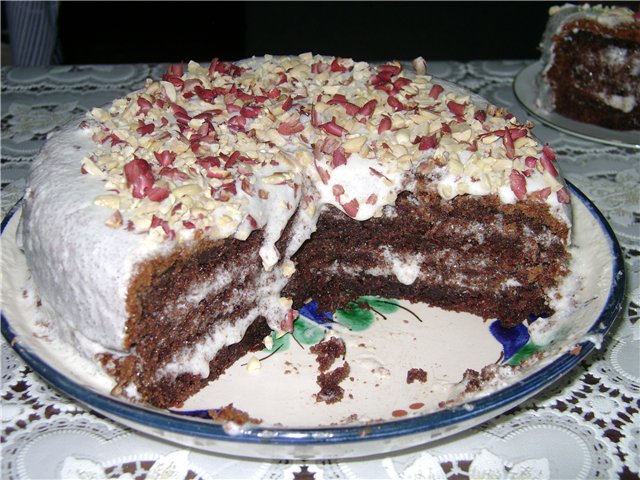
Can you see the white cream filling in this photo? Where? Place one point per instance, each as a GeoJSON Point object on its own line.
{"type": "Point", "coordinates": [196, 359]}
{"type": "Point", "coordinates": [200, 291]}
{"type": "Point", "coordinates": [406, 268]}
{"type": "Point", "coordinates": [623, 103]}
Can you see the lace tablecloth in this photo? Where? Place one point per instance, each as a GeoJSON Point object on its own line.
{"type": "Point", "coordinates": [587, 426]}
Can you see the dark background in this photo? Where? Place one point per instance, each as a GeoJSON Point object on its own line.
{"type": "Point", "coordinates": [130, 32]}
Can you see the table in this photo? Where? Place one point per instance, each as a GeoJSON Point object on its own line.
{"type": "Point", "coordinates": [586, 426]}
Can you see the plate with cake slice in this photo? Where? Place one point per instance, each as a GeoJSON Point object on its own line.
{"type": "Point", "coordinates": [586, 82]}
{"type": "Point", "coordinates": [527, 89]}
{"type": "Point", "coordinates": [376, 376]}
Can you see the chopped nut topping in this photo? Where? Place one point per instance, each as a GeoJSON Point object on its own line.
{"type": "Point", "coordinates": [222, 151]}
{"type": "Point", "coordinates": [253, 365]}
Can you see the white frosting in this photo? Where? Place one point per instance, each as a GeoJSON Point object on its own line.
{"type": "Point", "coordinates": [610, 17]}
{"type": "Point", "coordinates": [83, 256]}
{"type": "Point", "coordinates": [81, 268]}
{"type": "Point", "coordinates": [351, 176]}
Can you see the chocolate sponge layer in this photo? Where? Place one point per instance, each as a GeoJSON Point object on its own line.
{"type": "Point", "coordinates": [474, 255]}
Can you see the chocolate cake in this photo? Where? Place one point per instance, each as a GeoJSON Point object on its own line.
{"type": "Point", "coordinates": [170, 232]}
{"type": "Point", "coordinates": [591, 65]}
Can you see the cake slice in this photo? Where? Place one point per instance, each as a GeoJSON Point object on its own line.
{"type": "Point", "coordinates": [591, 65]}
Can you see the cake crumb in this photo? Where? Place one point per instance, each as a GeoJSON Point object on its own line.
{"type": "Point", "coordinates": [474, 381]}
{"type": "Point", "coordinates": [330, 390]}
{"type": "Point", "coordinates": [328, 351]}
{"type": "Point", "coordinates": [232, 414]}
{"type": "Point", "coordinates": [351, 418]}
{"type": "Point", "coordinates": [416, 375]}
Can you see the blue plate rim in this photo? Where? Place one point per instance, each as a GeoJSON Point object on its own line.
{"type": "Point", "coordinates": [512, 395]}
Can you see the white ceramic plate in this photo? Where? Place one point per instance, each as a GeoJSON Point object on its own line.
{"type": "Point", "coordinates": [381, 411]}
{"type": "Point", "coordinates": [527, 88]}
